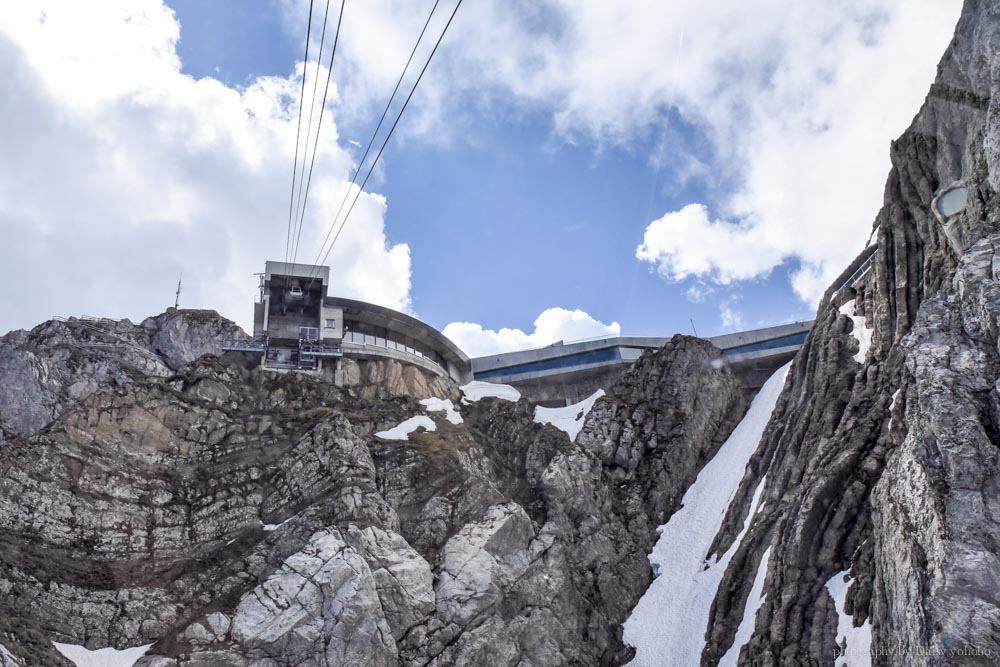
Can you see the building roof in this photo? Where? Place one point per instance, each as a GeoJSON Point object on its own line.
{"type": "Point", "coordinates": [735, 343]}
{"type": "Point", "coordinates": [422, 332]}
{"type": "Point", "coordinates": [297, 270]}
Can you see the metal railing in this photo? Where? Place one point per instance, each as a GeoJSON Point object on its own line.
{"type": "Point", "coordinates": [256, 344]}
{"type": "Point", "coordinates": [320, 350]}
{"type": "Point", "coordinates": [862, 270]}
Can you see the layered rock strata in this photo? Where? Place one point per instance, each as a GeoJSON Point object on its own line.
{"type": "Point", "coordinates": [235, 516]}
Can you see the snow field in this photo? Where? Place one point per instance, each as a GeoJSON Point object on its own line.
{"type": "Point", "coordinates": [478, 390]}
{"type": "Point", "coordinates": [403, 430]}
{"type": "Point", "coordinates": [570, 418]}
{"type": "Point", "coordinates": [102, 657]}
{"type": "Point", "coordinates": [861, 333]}
{"type": "Point", "coordinates": [667, 626]}
{"type": "Point", "coordinates": [857, 652]}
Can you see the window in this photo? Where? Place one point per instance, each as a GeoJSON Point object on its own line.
{"type": "Point", "coordinates": [331, 324]}
{"type": "Point", "coordinates": [953, 200]}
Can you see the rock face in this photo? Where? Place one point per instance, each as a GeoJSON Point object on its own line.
{"type": "Point", "coordinates": [57, 364]}
{"type": "Point", "coordinates": [882, 461]}
{"type": "Point", "coordinates": [181, 336]}
{"type": "Point", "coordinates": [232, 516]}
{"type": "Point", "coordinates": [235, 516]}
{"type": "Point", "coordinates": [61, 362]}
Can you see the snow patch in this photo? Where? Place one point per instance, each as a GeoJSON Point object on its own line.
{"type": "Point", "coordinates": [861, 333]}
{"type": "Point", "coordinates": [403, 431]}
{"type": "Point", "coordinates": [760, 508]}
{"type": "Point", "coordinates": [668, 624]}
{"type": "Point", "coordinates": [270, 527]}
{"type": "Point", "coordinates": [754, 601]}
{"type": "Point", "coordinates": [102, 657]}
{"type": "Point", "coordinates": [570, 418]}
{"type": "Point", "coordinates": [7, 658]}
{"type": "Point", "coordinates": [855, 643]}
{"type": "Point", "coordinates": [892, 405]}
{"type": "Point", "coordinates": [478, 390]}
{"type": "Point", "coordinates": [895, 397]}
{"type": "Point", "coordinates": [443, 405]}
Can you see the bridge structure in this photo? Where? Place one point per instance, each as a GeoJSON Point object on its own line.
{"type": "Point", "coordinates": [566, 373]}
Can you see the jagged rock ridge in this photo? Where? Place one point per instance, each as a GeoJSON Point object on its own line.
{"type": "Point", "coordinates": [887, 469]}
{"type": "Point", "coordinates": [235, 516]}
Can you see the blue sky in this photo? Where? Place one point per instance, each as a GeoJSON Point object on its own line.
{"type": "Point", "coordinates": [566, 169]}
{"type": "Point", "coordinates": [509, 218]}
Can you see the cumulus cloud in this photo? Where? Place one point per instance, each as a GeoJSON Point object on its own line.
{"type": "Point", "coordinates": [119, 172]}
{"type": "Point", "coordinates": [698, 292]}
{"type": "Point", "coordinates": [798, 102]}
{"type": "Point", "coordinates": [687, 243]}
{"type": "Point", "coordinates": [730, 317]}
{"type": "Point", "coordinates": [553, 325]}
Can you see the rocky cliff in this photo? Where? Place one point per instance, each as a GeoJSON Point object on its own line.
{"type": "Point", "coordinates": [227, 515]}
{"type": "Point", "coordinates": [57, 364]}
{"type": "Point", "coordinates": [159, 497]}
{"type": "Point", "coordinates": [880, 461]}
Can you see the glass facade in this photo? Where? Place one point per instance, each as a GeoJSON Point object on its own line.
{"type": "Point", "coordinates": [612, 354]}
{"type": "Point", "coordinates": [361, 333]}
{"type": "Point", "coordinates": [582, 359]}
{"type": "Point", "coordinates": [784, 341]}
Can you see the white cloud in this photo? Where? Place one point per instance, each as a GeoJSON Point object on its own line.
{"type": "Point", "coordinates": [698, 292]}
{"type": "Point", "coordinates": [553, 325]}
{"type": "Point", "coordinates": [687, 243]}
{"type": "Point", "coordinates": [731, 318]}
{"type": "Point", "coordinates": [798, 100]}
{"type": "Point", "coordinates": [119, 172]}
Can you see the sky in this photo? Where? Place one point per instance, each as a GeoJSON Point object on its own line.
{"type": "Point", "coordinates": [566, 168]}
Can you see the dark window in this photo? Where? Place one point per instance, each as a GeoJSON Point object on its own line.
{"type": "Point", "coordinates": [571, 361]}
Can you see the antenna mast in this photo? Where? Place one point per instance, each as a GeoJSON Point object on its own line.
{"type": "Point", "coordinates": [177, 297]}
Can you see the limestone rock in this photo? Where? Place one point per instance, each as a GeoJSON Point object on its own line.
{"type": "Point", "coordinates": [235, 516]}
{"type": "Point", "coordinates": [403, 579]}
{"type": "Point", "coordinates": [320, 608]}
{"type": "Point", "coordinates": [887, 468]}
{"type": "Point", "coordinates": [181, 336]}
{"type": "Point", "coordinates": [60, 363]}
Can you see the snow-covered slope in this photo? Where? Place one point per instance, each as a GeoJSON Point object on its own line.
{"type": "Point", "coordinates": [403, 430]}
{"type": "Point", "coordinates": [478, 390]}
{"type": "Point", "coordinates": [745, 630]}
{"type": "Point", "coordinates": [443, 405]}
{"type": "Point", "coordinates": [570, 418]}
{"type": "Point", "coordinates": [854, 644]}
{"type": "Point", "coordinates": [667, 626]}
{"type": "Point", "coordinates": [102, 657]}
{"type": "Point", "coordinates": [860, 332]}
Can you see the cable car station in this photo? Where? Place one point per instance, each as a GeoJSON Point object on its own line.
{"type": "Point", "coordinates": [297, 326]}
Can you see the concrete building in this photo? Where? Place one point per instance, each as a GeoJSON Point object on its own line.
{"type": "Point", "coordinates": [297, 326]}
{"type": "Point", "coordinates": [566, 373]}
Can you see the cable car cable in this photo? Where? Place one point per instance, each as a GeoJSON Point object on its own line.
{"type": "Point", "coordinates": [381, 120]}
{"type": "Point", "coordinates": [389, 136]}
{"type": "Point", "coordinates": [298, 130]}
{"type": "Point", "coordinates": [319, 126]}
{"type": "Point", "coordinates": [312, 111]}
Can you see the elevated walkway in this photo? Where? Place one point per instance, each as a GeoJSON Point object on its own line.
{"type": "Point", "coordinates": [571, 371]}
